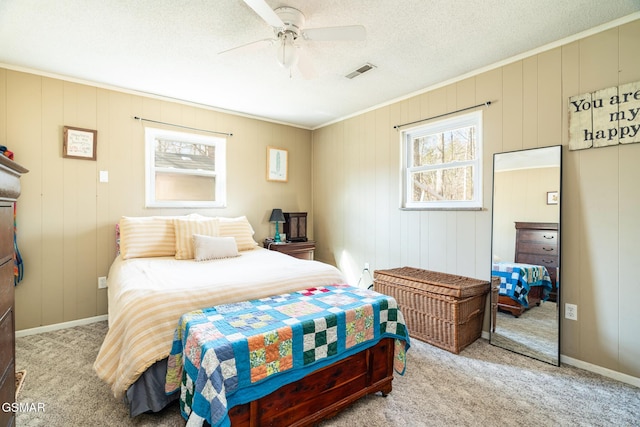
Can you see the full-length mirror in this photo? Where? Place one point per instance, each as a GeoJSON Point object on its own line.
{"type": "Point", "coordinates": [526, 252]}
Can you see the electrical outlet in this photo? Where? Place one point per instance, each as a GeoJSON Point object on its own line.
{"type": "Point", "coordinates": [571, 311]}
{"type": "Point", "coordinates": [366, 265]}
{"type": "Point", "coordinates": [102, 282]}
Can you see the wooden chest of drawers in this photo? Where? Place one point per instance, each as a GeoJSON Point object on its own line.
{"type": "Point", "coordinates": [537, 243]}
{"type": "Point", "coordinates": [9, 192]}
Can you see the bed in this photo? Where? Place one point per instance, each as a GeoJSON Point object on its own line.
{"type": "Point", "coordinates": [159, 274]}
{"type": "Point", "coordinates": [522, 286]}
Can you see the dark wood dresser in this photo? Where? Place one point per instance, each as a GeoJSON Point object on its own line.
{"type": "Point", "coordinates": [537, 243]}
{"type": "Point", "coordinates": [9, 191]}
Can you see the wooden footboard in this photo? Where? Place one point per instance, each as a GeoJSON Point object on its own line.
{"type": "Point", "coordinates": [323, 393]}
{"type": "Point", "coordinates": [505, 303]}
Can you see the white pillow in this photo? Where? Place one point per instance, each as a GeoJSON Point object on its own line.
{"type": "Point", "coordinates": [207, 247]}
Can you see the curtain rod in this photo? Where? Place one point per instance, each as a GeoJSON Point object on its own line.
{"type": "Point", "coordinates": [486, 104]}
{"type": "Point", "coordinates": [142, 119]}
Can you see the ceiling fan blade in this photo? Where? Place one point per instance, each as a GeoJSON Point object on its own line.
{"type": "Point", "coordinates": [349, 32]}
{"type": "Point", "coordinates": [249, 46]}
{"type": "Point", "coordinates": [265, 12]}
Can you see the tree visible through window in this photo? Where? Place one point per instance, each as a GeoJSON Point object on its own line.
{"type": "Point", "coordinates": [441, 163]}
{"type": "Point", "coordinates": [184, 170]}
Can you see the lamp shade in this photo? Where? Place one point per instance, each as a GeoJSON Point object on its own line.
{"type": "Point", "coordinates": [277, 216]}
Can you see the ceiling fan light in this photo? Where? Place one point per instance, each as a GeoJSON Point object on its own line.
{"type": "Point", "coordinates": [287, 52]}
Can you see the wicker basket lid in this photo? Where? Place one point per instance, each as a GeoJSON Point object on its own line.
{"type": "Point", "coordinates": [434, 281]}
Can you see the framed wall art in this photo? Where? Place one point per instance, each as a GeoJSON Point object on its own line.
{"type": "Point", "coordinates": [277, 164]}
{"type": "Point", "coordinates": [79, 143]}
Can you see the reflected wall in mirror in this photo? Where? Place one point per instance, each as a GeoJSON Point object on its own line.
{"type": "Point", "coordinates": [526, 252]}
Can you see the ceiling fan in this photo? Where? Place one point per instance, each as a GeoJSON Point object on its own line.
{"type": "Point", "coordinates": [288, 27]}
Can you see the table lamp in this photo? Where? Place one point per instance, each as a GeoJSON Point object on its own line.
{"type": "Point", "coordinates": [277, 216]}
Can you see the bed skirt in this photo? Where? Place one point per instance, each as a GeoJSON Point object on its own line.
{"type": "Point", "coordinates": [147, 393]}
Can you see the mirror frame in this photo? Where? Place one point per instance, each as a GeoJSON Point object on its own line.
{"type": "Point", "coordinates": [553, 361]}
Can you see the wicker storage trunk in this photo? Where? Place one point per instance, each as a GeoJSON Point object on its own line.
{"type": "Point", "coordinates": [442, 309]}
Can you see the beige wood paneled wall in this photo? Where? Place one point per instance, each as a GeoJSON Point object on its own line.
{"type": "Point", "coordinates": [356, 183]}
{"type": "Point", "coordinates": [66, 216]}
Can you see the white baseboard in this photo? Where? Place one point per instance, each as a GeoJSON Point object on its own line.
{"type": "Point", "coordinates": [58, 326]}
{"type": "Point", "coordinates": [609, 373]}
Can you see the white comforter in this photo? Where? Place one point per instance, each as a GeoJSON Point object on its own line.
{"type": "Point", "coordinates": [147, 296]}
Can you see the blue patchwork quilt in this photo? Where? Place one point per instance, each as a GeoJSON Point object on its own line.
{"type": "Point", "coordinates": [235, 353]}
{"type": "Point", "coordinates": [516, 280]}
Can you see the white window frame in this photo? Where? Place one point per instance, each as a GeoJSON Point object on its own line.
{"type": "Point", "coordinates": [151, 136]}
{"type": "Point", "coordinates": [407, 168]}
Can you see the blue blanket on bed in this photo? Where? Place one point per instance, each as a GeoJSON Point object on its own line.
{"type": "Point", "coordinates": [516, 280]}
{"type": "Point", "coordinates": [232, 354]}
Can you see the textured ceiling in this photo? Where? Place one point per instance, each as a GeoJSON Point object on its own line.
{"type": "Point", "coordinates": [170, 47]}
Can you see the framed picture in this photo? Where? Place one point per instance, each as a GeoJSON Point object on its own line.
{"type": "Point", "coordinates": [277, 164]}
{"type": "Point", "coordinates": [552, 197]}
{"type": "Point", "coordinates": [79, 143]}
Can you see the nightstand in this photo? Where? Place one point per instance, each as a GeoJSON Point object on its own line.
{"type": "Point", "coordinates": [302, 250]}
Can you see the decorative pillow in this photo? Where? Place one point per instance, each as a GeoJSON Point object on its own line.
{"type": "Point", "coordinates": [240, 229]}
{"type": "Point", "coordinates": [185, 228]}
{"type": "Point", "coordinates": [146, 236]}
{"type": "Point", "coordinates": [207, 247]}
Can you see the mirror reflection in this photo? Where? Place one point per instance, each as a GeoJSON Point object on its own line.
{"type": "Point", "coordinates": [526, 252]}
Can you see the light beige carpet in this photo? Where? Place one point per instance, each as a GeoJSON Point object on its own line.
{"type": "Point", "coordinates": [482, 386]}
{"type": "Point", "coordinates": [534, 333]}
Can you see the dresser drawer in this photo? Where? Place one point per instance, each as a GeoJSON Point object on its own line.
{"type": "Point", "coordinates": [7, 394]}
{"type": "Point", "coordinates": [6, 286]}
{"type": "Point", "coordinates": [6, 229]}
{"type": "Point", "coordinates": [538, 248]}
{"type": "Point", "coordinates": [549, 261]}
{"type": "Point", "coordinates": [539, 236]}
{"type": "Point", "coordinates": [7, 338]}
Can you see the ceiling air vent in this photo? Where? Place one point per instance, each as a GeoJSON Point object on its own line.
{"type": "Point", "coordinates": [366, 67]}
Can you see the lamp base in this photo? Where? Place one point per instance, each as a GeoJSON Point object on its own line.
{"type": "Point", "coordinates": [276, 238]}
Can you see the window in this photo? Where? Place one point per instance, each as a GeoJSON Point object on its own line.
{"type": "Point", "coordinates": [184, 170]}
{"type": "Point", "coordinates": [442, 164]}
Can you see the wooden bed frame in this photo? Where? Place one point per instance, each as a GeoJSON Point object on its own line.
{"type": "Point", "coordinates": [323, 393]}
{"type": "Point", "coordinates": [505, 303]}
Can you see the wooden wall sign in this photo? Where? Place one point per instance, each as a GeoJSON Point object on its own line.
{"type": "Point", "coordinates": [605, 117]}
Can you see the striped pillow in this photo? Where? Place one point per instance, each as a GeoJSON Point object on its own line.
{"type": "Point", "coordinates": [240, 229]}
{"type": "Point", "coordinates": [146, 237]}
{"type": "Point", "coordinates": [185, 228]}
